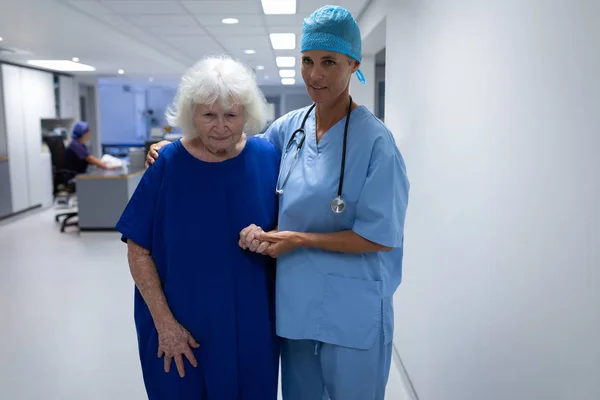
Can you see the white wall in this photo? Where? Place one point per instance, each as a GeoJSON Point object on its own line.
{"type": "Point", "coordinates": [159, 99]}
{"type": "Point", "coordinates": [364, 93]}
{"type": "Point", "coordinates": [121, 120]}
{"type": "Point", "coordinates": [495, 105]}
{"type": "Point", "coordinates": [3, 144]}
{"type": "Point", "coordinates": [291, 97]}
{"type": "Point", "coordinates": [379, 77]}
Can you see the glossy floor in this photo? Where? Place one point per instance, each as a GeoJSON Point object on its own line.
{"type": "Point", "coordinates": [66, 324]}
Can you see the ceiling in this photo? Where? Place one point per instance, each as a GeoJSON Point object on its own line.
{"type": "Point", "coordinates": [158, 38]}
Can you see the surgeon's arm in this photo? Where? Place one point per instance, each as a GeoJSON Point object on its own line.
{"type": "Point", "coordinates": [276, 243]}
{"type": "Point", "coordinates": [342, 242]}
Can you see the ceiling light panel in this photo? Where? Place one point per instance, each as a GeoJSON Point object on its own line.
{"type": "Point", "coordinates": [279, 6]}
{"type": "Point", "coordinates": [61, 65]}
{"type": "Point", "coordinates": [220, 7]}
{"type": "Point", "coordinates": [283, 41]}
{"type": "Point", "coordinates": [144, 7]}
{"type": "Point", "coordinates": [285, 62]}
{"type": "Point", "coordinates": [287, 73]}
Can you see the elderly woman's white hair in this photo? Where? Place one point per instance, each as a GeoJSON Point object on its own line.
{"type": "Point", "coordinates": [222, 79]}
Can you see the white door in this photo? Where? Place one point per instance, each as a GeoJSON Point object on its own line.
{"type": "Point", "coordinates": [38, 102]}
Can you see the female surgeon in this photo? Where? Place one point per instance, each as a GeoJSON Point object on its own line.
{"type": "Point", "coordinates": [343, 193]}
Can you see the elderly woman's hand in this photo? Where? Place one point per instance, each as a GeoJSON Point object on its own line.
{"type": "Point", "coordinates": [249, 239]}
{"type": "Point", "coordinates": [153, 152]}
{"type": "Point", "coordinates": [174, 342]}
{"type": "Point", "coordinates": [273, 243]}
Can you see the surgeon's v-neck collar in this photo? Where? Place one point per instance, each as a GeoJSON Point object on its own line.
{"type": "Point", "coordinates": [326, 138]}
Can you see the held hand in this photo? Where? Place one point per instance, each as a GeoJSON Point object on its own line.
{"type": "Point", "coordinates": [153, 152]}
{"type": "Point", "coordinates": [280, 243]}
{"type": "Point", "coordinates": [249, 239]}
{"type": "Point", "coordinates": [174, 342]}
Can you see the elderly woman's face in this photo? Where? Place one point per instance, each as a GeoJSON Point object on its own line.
{"type": "Point", "coordinates": [326, 74]}
{"type": "Point", "coordinates": [219, 129]}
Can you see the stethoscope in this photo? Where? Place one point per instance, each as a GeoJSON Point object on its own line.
{"type": "Point", "coordinates": [337, 204]}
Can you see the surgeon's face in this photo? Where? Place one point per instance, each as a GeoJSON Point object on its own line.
{"type": "Point", "coordinates": [327, 74]}
{"type": "Point", "coordinates": [219, 129]}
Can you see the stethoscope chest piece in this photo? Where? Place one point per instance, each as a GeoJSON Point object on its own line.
{"type": "Point", "coordinates": [338, 205]}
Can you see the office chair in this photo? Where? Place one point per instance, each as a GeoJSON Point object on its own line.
{"type": "Point", "coordinates": [63, 180]}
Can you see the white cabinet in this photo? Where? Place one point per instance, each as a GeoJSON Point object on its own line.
{"type": "Point", "coordinates": [67, 97]}
{"type": "Point", "coordinates": [28, 97]}
{"type": "Point", "coordinates": [15, 137]}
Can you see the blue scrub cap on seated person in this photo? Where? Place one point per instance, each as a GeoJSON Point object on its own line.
{"type": "Point", "coordinates": [80, 129]}
{"type": "Point", "coordinates": [333, 28]}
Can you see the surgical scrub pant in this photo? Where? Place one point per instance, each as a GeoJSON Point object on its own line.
{"type": "Point", "coordinates": [312, 370]}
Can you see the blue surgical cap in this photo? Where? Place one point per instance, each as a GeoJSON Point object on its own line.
{"type": "Point", "coordinates": [333, 28]}
{"type": "Point", "coordinates": [80, 129]}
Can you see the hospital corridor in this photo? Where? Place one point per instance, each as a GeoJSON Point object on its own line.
{"type": "Point", "coordinates": [299, 200]}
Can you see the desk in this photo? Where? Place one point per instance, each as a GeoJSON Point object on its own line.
{"type": "Point", "coordinates": [102, 197]}
{"type": "Point", "coordinates": [5, 194]}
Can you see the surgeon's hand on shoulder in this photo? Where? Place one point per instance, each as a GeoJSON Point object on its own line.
{"type": "Point", "coordinates": [280, 242]}
{"type": "Point", "coordinates": [153, 152]}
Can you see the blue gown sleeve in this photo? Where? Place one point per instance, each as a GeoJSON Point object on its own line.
{"type": "Point", "coordinates": [137, 221]}
{"type": "Point", "coordinates": [381, 207]}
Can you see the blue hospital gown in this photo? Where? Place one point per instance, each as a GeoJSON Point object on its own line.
{"type": "Point", "coordinates": [189, 213]}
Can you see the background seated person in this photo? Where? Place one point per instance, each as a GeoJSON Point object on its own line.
{"type": "Point", "coordinates": [77, 155]}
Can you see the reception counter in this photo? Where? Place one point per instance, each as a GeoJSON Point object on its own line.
{"type": "Point", "coordinates": [102, 197]}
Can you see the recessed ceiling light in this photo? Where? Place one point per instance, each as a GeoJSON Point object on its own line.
{"type": "Point", "coordinates": [286, 62]}
{"type": "Point", "coordinates": [151, 79]}
{"type": "Point", "coordinates": [260, 67]}
{"type": "Point", "coordinates": [230, 21]}
{"type": "Point", "coordinates": [283, 41]}
{"type": "Point", "coordinates": [121, 72]}
{"type": "Point", "coordinates": [288, 81]}
{"type": "Point", "coordinates": [61, 65]}
{"type": "Point", "coordinates": [249, 51]}
{"type": "Point", "coordinates": [1, 38]}
{"type": "Point", "coordinates": [75, 59]}
{"type": "Point", "coordinates": [287, 73]}
{"type": "Point", "coordinates": [279, 6]}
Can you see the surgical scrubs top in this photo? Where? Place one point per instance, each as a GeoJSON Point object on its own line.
{"type": "Point", "coordinates": [189, 214]}
{"type": "Point", "coordinates": [340, 298]}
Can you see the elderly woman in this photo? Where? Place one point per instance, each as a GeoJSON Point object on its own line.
{"type": "Point", "coordinates": [201, 301]}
